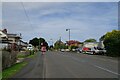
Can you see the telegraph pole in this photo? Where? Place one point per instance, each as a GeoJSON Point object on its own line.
{"type": "Point", "coordinates": [69, 33]}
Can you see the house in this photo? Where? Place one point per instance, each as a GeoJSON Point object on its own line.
{"type": "Point", "coordinates": [23, 44]}
{"type": "Point", "coordinates": [2, 34]}
{"type": "Point", "coordinates": [14, 38]}
{"type": "Point", "coordinates": [9, 40]}
{"type": "Point", "coordinates": [3, 40]}
{"type": "Point", "coordinates": [73, 42]}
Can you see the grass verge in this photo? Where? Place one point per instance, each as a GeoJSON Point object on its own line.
{"type": "Point", "coordinates": [21, 56]}
{"type": "Point", "coordinates": [9, 72]}
{"type": "Point", "coordinates": [13, 70]}
{"type": "Point", "coordinates": [30, 56]}
{"type": "Point", "coordinates": [26, 56]}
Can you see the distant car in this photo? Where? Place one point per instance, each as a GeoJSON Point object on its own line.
{"type": "Point", "coordinates": [95, 50]}
{"type": "Point", "coordinates": [99, 51]}
{"type": "Point", "coordinates": [30, 47]}
{"type": "Point", "coordinates": [67, 50]}
{"type": "Point", "coordinates": [62, 50]}
{"type": "Point", "coordinates": [73, 50]}
{"type": "Point", "coordinates": [79, 50]}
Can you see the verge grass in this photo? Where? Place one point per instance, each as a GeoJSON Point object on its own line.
{"type": "Point", "coordinates": [13, 70]}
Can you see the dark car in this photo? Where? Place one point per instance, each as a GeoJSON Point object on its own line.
{"type": "Point", "coordinates": [79, 50]}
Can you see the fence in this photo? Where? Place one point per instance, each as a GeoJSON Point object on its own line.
{"type": "Point", "coordinates": [8, 58]}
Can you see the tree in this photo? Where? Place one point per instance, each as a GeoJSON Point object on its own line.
{"type": "Point", "coordinates": [90, 40]}
{"type": "Point", "coordinates": [36, 42]}
{"type": "Point", "coordinates": [111, 41]}
{"type": "Point", "coordinates": [59, 45]}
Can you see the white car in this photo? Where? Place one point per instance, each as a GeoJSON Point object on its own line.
{"type": "Point", "coordinates": [67, 50]}
{"type": "Point", "coordinates": [62, 50]}
{"type": "Point", "coordinates": [97, 51]}
{"type": "Point", "coordinates": [30, 47]}
{"type": "Point", "coordinates": [73, 50]}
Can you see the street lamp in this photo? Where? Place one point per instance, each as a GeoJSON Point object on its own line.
{"type": "Point", "coordinates": [51, 42]}
{"type": "Point", "coordinates": [20, 42]}
{"type": "Point", "coordinates": [69, 33]}
{"type": "Point", "coordinates": [39, 44]}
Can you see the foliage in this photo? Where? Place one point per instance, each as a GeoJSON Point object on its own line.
{"type": "Point", "coordinates": [34, 42]}
{"type": "Point", "coordinates": [21, 55]}
{"type": "Point", "coordinates": [37, 41]}
{"type": "Point", "coordinates": [25, 54]}
{"type": "Point", "coordinates": [112, 42]}
{"type": "Point", "coordinates": [90, 40]}
{"type": "Point", "coordinates": [60, 45]}
{"type": "Point", "coordinates": [73, 47]}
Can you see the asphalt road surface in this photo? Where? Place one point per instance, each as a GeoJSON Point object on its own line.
{"type": "Point", "coordinates": [69, 65]}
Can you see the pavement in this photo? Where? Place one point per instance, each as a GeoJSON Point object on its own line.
{"type": "Point", "coordinates": [69, 65]}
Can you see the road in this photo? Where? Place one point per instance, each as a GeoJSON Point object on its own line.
{"type": "Point", "coordinates": [69, 65]}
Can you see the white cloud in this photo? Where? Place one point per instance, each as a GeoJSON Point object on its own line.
{"type": "Point", "coordinates": [60, 0]}
{"type": "Point", "coordinates": [50, 20]}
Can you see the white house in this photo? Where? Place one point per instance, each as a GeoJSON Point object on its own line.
{"type": "Point", "coordinates": [3, 39]}
{"type": "Point", "coordinates": [2, 35]}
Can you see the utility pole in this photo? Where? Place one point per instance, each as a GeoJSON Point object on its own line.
{"type": "Point", "coordinates": [69, 33]}
{"type": "Point", "coordinates": [20, 42]}
{"type": "Point", "coordinates": [39, 43]}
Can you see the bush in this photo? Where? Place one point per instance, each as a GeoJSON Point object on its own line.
{"type": "Point", "coordinates": [73, 47]}
{"type": "Point", "coordinates": [31, 52]}
{"type": "Point", "coordinates": [112, 42]}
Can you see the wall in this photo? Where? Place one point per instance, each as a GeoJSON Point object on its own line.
{"type": "Point", "coordinates": [8, 58]}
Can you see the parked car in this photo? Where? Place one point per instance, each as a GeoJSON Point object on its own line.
{"type": "Point", "coordinates": [29, 47]}
{"type": "Point", "coordinates": [67, 50]}
{"type": "Point", "coordinates": [79, 50]}
{"type": "Point", "coordinates": [94, 50]}
{"type": "Point", "coordinates": [86, 50]}
{"type": "Point", "coordinates": [62, 50]}
{"type": "Point", "coordinates": [73, 50]}
{"type": "Point", "coordinates": [99, 51]}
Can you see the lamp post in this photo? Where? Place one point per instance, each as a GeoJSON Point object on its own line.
{"type": "Point", "coordinates": [39, 44]}
{"type": "Point", "coordinates": [51, 42]}
{"type": "Point", "coordinates": [20, 41]}
{"type": "Point", "coordinates": [69, 33]}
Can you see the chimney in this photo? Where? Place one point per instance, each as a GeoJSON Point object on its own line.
{"type": "Point", "coordinates": [4, 31]}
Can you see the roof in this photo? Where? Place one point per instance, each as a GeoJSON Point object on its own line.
{"type": "Point", "coordinates": [2, 34]}
{"type": "Point", "coordinates": [23, 42]}
{"type": "Point", "coordinates": [13, 36]}
{"type": "Point", "coordinates": [72, 42]}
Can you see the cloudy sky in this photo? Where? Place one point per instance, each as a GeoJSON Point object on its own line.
{"type": "Point", "coordinates": [51, 19]}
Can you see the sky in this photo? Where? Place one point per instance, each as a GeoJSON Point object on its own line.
{"type": "Point", "coordinates": [50, 20]}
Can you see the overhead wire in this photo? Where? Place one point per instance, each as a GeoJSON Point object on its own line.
{"type": "Point", "coordinates": [26, 14]}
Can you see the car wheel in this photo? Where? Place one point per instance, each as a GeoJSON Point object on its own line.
{"type": "Point", "coordinates": [94, 52]}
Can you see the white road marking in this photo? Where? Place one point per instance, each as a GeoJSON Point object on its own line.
{"type": "Point", "coordinates": [106, 70]}
{"type": "Point", "coordinates": [83, 61]}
